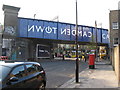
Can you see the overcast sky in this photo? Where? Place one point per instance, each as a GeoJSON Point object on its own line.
{"type": "Point", "coordinates": [88, 10]}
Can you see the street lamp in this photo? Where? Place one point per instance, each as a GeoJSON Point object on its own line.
{"type": "Point", "coordinates": [96, 40]}
{"type": "Point", "coordinates": [119, 37]}
{"type": "Point", "coordinates": [34, 16]}
{"type": "Point", "coordinates": [56, 18]}
{"type": "Point", "coordinates": [76, 42]}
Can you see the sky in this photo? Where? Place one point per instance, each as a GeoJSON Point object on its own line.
{"type": "Point", "coordinates": [89, 11]}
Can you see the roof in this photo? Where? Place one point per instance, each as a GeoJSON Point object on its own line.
{"type": "Point", "coordinates": [15, 63]}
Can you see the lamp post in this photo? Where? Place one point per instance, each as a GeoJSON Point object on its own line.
{"type": "Point", "coordinates": [96, 40]}
{"type": "Point", "coordinates": [34, 16]}
{"type": "Point", "coordinates": [55, 18]}
{"type": "Point", "coordinates": [76, 42]}
{"type": "Point", "coordinates": [119, 40]}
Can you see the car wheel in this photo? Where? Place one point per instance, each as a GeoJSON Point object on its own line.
{"type": "Point", "coordinates": [42, 86]}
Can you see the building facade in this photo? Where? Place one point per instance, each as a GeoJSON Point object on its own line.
{"type": "Point", "coordinates": [114, 23]}
{"type": "Point", "coordinates": [114, 28]}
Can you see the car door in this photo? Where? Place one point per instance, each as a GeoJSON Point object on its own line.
{"type": "Point", "coordinates": [32, 76]}
{"type": "Point", "coordinates": [17, 77]}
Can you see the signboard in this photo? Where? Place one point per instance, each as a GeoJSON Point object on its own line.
{"type": "Point", "coordinates": [80, 33]}
{"type": "Point", "coordinates": [42, 51]}
{"type": "Point", "coordinates": [64, 31]}
{"type": "Point", "coordinates": [50, 30]}
{"type": "Point", "coordinates": [99, 34]}
{"type": "Point", "coordinates": [23, 27]}
{"type": "Point", "coordinates": [87, 34]}
{"type": "Point", "coordinates": [35, 28]}
{"type": "Point", "coordinates": [43, 29]}
{"type": "Point", "coordinates": [105, 36]}
{"type": "Point", "coordinates": [73, 33]}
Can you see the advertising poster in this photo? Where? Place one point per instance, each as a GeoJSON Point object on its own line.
{"type": "Point", "coordinates": [43, 51]}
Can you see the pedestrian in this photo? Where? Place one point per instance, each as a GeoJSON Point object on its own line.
{"type": "Point", "coordinates": [80, 57]}
{"type": "Point", "coordinates": [55, 54]}
{"type": "Point", "coordinates": [63, 57]}
{"type": "Point", "coordinates": [85, 58]}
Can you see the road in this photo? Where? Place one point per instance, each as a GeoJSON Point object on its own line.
{"type": "Point", "coordinates": [58, 72]}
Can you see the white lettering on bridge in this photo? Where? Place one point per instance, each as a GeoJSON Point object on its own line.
{"type": "Point", "coordinates": [46, 29]}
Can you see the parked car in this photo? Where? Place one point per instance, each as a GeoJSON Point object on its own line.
{"type": "Point", "coordinates": [19, 74]}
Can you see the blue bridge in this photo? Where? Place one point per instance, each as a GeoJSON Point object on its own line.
{"type": "Point", "coordinates": [43, 29]}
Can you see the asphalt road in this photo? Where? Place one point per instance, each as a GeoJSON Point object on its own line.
{"type": "Point", "coordinates": [58, 72]}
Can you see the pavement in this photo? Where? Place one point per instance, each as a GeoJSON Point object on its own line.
{"type": "Point", "coordinates": [102, 76]}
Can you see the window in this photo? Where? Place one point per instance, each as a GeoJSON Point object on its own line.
{"type": "Point", "coordinates": [39, 68]}
{"type": "Point", "coordinates": [18, 72]}
{"type": "Point", "coordinates": [115, 25]}
{"type": "Point", "coordinates": [31, 68]}
{"type": "Point", "coordinates": [115, 41]}
{"type": "Point", "coordinates": [4, 71]}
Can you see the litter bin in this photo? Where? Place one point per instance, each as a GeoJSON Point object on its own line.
{"type": "Point", "coordinates": [92, 61]}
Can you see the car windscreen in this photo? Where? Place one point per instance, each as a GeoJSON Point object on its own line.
{"type": "Point", "coordinates": [4, 70]}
